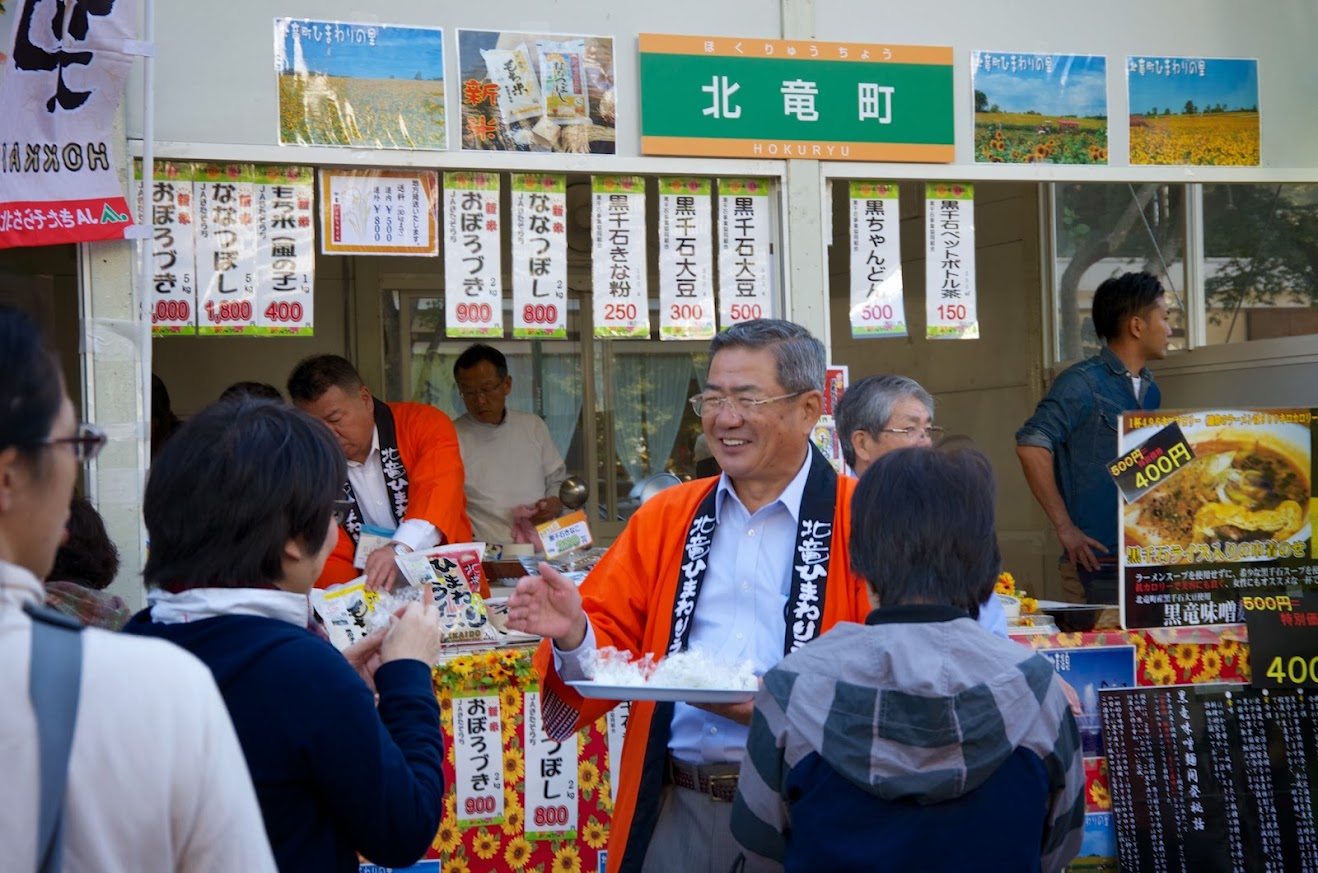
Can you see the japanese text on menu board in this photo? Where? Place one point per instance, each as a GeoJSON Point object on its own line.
{"type": "Point", "coordinates": [1233, 520]}
{"type": "Point", "coordinates": [540, 256]}
{"type": "Point", "coordinates": [745, 267]}
{"type": "Point", "coordinates": [618, 263]}
{"type": "Point", "coordinates": [950, 262]}
{"type": "Point", "coordinates": [686, 274]}
{"type": "Point", "coordinates": [473, 271]}
{"type": "Point", "coordinates": [379, 212]}
{"type": "Point", "coordinates": [758, 98]}
{"type": "Point", "coordinates": [878, 308]}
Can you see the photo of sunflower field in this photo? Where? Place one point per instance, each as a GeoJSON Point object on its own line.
{"type": "Point", "coordinates": [365, 85]}
{"type": "Point", "coordinates": [1040, 108]}
{"type": "Point", "coordinates": [1193, 111]}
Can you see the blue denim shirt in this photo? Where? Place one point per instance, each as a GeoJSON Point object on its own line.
{"type": "Point", "coordinates": [1077, 421]}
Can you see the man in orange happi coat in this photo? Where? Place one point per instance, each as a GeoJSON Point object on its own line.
{"type": "Point", "coordinates": [405, 473]}
{"type": "Point", "coordinates": [747, 566]}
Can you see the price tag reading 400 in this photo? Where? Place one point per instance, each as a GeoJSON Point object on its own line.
{"type": "Point", "coordinates": [1158, 457]}
{"type": "Point", "coordinates": [1283, 640]}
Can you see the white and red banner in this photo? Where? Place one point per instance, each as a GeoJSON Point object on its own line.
{"type": "Point", "coordinates": [539, 256]}
{"type": "Point", "coordinates": [951, 306]}
{"type": "Point", "coordinates": [60, 89]}
{"type": "Point", "coordinates": [618, 265]}
{"type": "Point", "coordinates": [745, 270]}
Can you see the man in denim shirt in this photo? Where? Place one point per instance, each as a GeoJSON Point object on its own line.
{"type": "Point", "coordinates": [1065, 446]}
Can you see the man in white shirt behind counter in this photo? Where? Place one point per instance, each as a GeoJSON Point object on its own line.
{"type": "Point", "coordinates": [510, 460]}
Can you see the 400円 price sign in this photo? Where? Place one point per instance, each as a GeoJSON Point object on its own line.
{"type": "Point", "coordinates": [1216, 505]}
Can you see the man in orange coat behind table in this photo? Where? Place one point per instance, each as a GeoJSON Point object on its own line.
{"type": "Point", "coordinates": [405, 476]}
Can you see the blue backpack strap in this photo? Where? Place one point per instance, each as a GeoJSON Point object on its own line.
{"type": "Point", "coordinates": [55, 675]}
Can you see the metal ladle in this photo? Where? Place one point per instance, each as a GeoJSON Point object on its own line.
{"type": "Point", "coordinates": [574, 492]}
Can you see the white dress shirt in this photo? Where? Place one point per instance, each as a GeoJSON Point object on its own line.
{"type": "Point", "coordinates": [374, 503]}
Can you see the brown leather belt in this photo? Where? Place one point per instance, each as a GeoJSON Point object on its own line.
{"type": "Point", "coordinates": [716, 781]}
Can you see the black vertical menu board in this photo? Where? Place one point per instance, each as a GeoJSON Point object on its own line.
{"type": "Point", "coordinates": [1219, 780]}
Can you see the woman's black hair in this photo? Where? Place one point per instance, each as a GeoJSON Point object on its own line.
{"type": "Point", "coordinates": [922, 528]}
{"type": "Point", "coordinates": [239, 480]}
{"type": "Point", "coordinates": [32, 390]}
{"type": "Point", "coordinates": [87, 557]}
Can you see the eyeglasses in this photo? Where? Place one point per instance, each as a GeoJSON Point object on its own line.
{"type": "Point", "coordinates": [933, 431]}
{"type": "Point", "coordinates": [743, 406]}
{"type": "Point", "coordinates": [341, 510]}
{"type": "Point", "coordinates": [87, 441]}
{"type": "Point", "coordinates": [483, 391]}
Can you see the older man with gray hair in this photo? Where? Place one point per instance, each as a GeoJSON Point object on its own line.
{"type": "Point", "coordinates": [880, 414]}
{"type": "Point", "coordinates": [747, 566]}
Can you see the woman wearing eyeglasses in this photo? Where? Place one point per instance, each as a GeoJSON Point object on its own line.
{"type": "Point", "coordinates": [156, 779]}
{"type": "Point", "coordinates": [240, 508]}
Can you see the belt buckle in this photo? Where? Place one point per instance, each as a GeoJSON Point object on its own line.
{"type": "Point", "coordinates": [716, 780]}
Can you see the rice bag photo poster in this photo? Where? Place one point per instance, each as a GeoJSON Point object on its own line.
{"type": "Point", "coordinates": [537, 92]}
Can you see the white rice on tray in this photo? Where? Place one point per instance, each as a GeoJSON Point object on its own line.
{"type": "Point", "coordinates": [690, 669]}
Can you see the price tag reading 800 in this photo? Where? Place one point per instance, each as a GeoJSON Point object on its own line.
{"type": "Point", "coordinates": [550, 816]}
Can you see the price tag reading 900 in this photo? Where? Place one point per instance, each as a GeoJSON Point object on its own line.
{"type": "Point", "coordinates": [482, 805]}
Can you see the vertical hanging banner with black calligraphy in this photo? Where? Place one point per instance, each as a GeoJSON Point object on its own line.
{"type": "Point", "coordinates": [745, 268]}
{"type": "Point", "coordinates": [618, 263]}
{"type": "Point", "coordinates": [878, 308]}
{"type": "Point", "coordinates": [60, 89]}
{"type": "Point", "coordinates": [170, 209]}
{"type": "Point", "coordinates": [950, 261]}
{"type": "Point", "coordinates": [686, 271]}
{"type": "Point", "coordinates": [226, 248]}
{"type": "Point", "coordinates": [539, 256]}
{"type": "Point", "coordinates": [473, 265]}
{"type": "Point", "coordinates": [285, 251]}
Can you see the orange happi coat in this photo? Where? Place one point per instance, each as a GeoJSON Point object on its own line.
{"type": "Point", "coordinates": [428, 448]}
{"type": "Point", "coordinates": [629, 597]}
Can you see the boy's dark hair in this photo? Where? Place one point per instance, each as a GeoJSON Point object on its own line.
{"type": "Point", "coordinates": [261, 390]}
{"type": "Point", "coordinates": [32, 390]}
{"type": "Point", "coordinates": [87, 557]}
{"type": "Point", "coordinates": [239, 480]}
{"type": "Point", "coordinates": [474, 354]}
{"type": "Point", "coordinates": [313, 376]}
{"type": "Point", "coordinates": [922, 528]}
{"type": "Point", "coordinates": [1120, 299]}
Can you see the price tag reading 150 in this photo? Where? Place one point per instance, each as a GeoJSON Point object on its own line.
{"type": "Point", "coordinates": [1283, 641]}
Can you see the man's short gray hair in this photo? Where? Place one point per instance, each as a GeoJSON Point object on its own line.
{"type": "Point", "coordinates": [868, 405]}
{"type": "Point", "coordinates": [800, 357]}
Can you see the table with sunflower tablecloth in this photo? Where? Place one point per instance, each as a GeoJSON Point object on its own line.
{"type": "Point", "coordinates": [1187, 656]}
{"type": "Point", "coordinates": [489, 707]}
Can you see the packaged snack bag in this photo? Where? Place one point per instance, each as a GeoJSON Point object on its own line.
{"type": "Point", "coordinates": [563, 75]}
{"type": "Point", "coordinates": [519, 92]}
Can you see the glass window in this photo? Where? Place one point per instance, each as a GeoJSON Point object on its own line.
{"type": "Point", "coordinates": [643, 404]}
{"type": "Point", "coordinates": [1260, 261]}
{"type": "Point", "coordinates": [1104, 230]}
